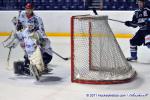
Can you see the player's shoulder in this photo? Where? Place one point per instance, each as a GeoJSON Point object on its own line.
{"type": "Point", "coordinates": [137, 10]}
{"type": "Point", "coordinates": [22, 14]}
{"type": "Point", "coordinates": [37, 17]}
{"type": "Point", "coordinates": [147, 8]}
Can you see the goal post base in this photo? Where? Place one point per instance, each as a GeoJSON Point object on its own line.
{"type": "Point", "coordinates": [103, 82]}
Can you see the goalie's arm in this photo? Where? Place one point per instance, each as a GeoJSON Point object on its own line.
{"type": "Point", "coordinates": [17, 22]}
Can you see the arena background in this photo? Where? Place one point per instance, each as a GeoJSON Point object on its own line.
{"type": "Point", "coordinates": [56, 14]}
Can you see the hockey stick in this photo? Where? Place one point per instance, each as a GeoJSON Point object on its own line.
{"type": "Point", "coordinates": [60, 56]}
{"type": "Point", "coordinates": [8, 37]}
{"type": "Point", "coordinates": [10, 48]}
{"type": "Point", "coordinates": [95, 12]}
{"type": "Point", "coordinates": [116, 20]}
{"type": "Point", "coordinates": [8, 58]}
{"type": "Point", "coordinates": [133, 25]}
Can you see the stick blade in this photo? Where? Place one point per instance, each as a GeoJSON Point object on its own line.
{"type": "Point", "coordinates": [67, 59]}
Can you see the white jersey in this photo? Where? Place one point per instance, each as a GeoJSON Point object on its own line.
{"type": "Point", "coordinates": [37, 21]}
{"type": "Point", "coordinates": [30, 41]}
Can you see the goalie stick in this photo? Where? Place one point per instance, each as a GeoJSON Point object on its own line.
{"type": "Point", "coordinates": [8, 58]}
{"type": "Point", "coordinates": [61, 56]}
{"type": "Point", "coordinates": [8, 37]}
{"type": "Point", "coordinates": [10, 48]}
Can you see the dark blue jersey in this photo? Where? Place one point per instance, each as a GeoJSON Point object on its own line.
{"type": "Point", "coordinates": [140, 17]}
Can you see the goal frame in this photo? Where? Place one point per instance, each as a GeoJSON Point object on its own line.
{"type": "Point", "coordinates": [72, 60]}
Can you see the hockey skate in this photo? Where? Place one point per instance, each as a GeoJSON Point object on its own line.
{"type": "Point", "coordinates": [46, 70]}
{"type": "Point", "coordinates": [131, 59]}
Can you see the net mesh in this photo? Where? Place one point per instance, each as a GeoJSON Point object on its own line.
{"type": "Point", "coordinates": [96, 54]}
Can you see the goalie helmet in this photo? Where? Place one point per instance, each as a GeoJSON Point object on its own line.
{"type": "Point", "coordinates": [29, 6]}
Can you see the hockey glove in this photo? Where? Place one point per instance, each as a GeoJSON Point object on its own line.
{"type": "Point", "coordinates": [130, 24]}
{"type": "Point", "coordinates": [42, 42]}
{"type": "Point", "coordinates": [14, 20]}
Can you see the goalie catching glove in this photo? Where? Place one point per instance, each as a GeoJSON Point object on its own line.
{"type": "Point", "coordinates": [18, 25]}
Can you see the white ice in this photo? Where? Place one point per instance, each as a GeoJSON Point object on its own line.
{"type": "Point", "coordinates": [57, 84]}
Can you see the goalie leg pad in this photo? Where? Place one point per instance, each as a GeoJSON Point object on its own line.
{"type": "Point", "coordinates": [37, 60]}
{"type": "Point", "coordinates": [46, 58]}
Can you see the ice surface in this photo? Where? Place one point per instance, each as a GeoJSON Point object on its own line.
{"type": "Point", "coordinates": [57, 84]}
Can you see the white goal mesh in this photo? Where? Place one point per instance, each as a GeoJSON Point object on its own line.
{"type": "Point", "coordinates": [95, 54]}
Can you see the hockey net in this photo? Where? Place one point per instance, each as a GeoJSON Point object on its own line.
{"type": "Point", "coordinates": [96, 57]}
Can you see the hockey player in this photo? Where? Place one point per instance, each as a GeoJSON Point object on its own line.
{"type": "Point", "coordinates": [30, 39]}
{"type": "Point", "coordinates": [22, 23]}
{"type": "Point", "coordinates": [24, 16]}
{"type": "Point", "coordinates": [140, 18]}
